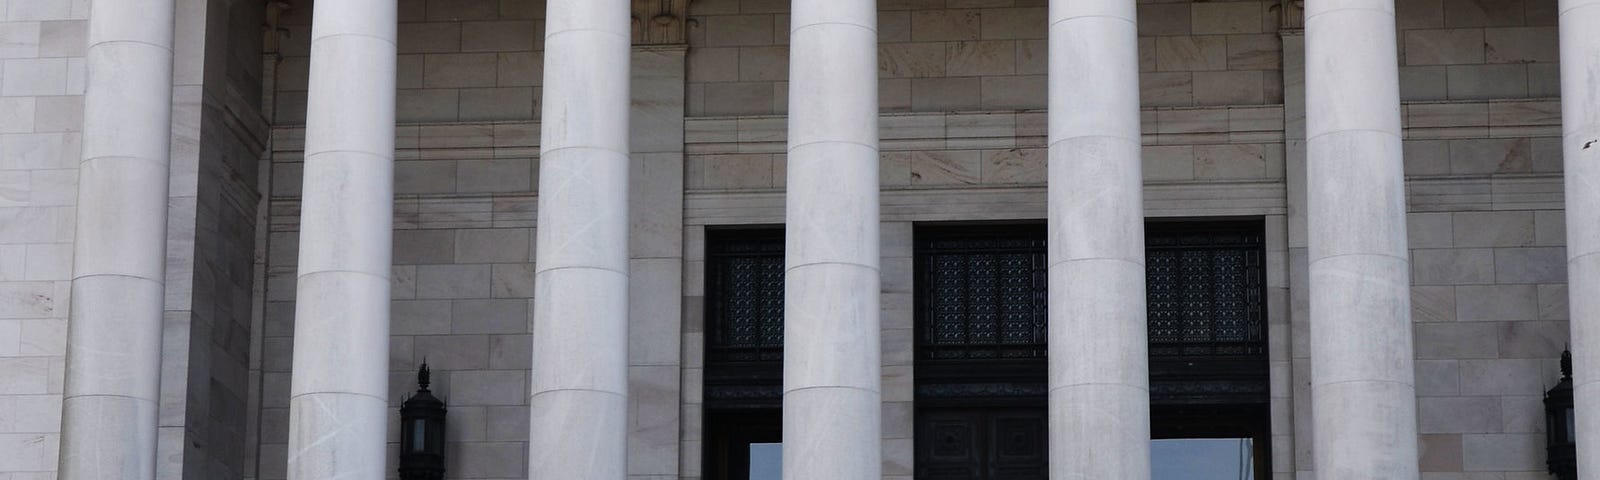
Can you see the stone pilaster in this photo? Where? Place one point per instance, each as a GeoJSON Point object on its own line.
{"type": "Point", "coordinates": [1099, 370]}
{"type": "Point", "coordinates": [1362, 390]}
{"type": "Point", "coordinates": [339, 399]}
{"type": "Point", "coordinates": [579, 395]}
{"type": "Point", "coordinates": [831, 382]}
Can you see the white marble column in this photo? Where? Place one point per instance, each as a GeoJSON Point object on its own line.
{"type": "Point", "coordinates": [119, 259]}
{"type": "Point", "coordinates": [579, 399]}
{"type": "Point", "coordinates": [1580, 125]}
{"type": "Point", "coordinates": [831, 393]}
{"type": "Point", "coordinates": [1363, 400]}
{"type": "Point", "coordinates": [1099, 372]}
{"type": "Point", "coordinates": [340, 401]}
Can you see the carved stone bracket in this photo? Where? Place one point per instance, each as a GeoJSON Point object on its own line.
{"type": "Point", "coordinates": [660, 22]}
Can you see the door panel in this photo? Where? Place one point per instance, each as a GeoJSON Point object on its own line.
{"type": "Point", "coordinates": [982, 443]}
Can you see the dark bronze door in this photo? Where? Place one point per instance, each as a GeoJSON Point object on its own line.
{"type": "Point", "coordinates": [982, 443]}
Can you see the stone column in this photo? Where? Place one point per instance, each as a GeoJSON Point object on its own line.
{"type": "Point", "coordinates": [340, 401]}
{"type": "Point", "coordinates": [1580, 125]}
{"type": "Point", "coordinates": [1099, 370]}
{"type": "Point", "coordinates": [108, 419]}
{"type": "Point", "coordinates": [831, 407]}
{"type": "Point", "coordinates": [1363, 400]}
{"type": "Point", "coordinates": [579, 398]}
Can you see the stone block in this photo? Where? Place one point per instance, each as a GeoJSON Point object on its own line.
{"type": "Point", "coordinates": [508, 316]}
{"type": "Point", "coordinates": [19, 39]}
{"type": "Point", "coordinates": [1530, 265]}
{"type": "Point", "coordinates": [1175, 162]}
{"type": "Point", "coordinates": [452, 281]}
{"type": "Point", "coordinates": [518, 69]}
{"type": "Point", "coordinates": [1164, 19]}
{"type": "Point", "coordinates": [441, 37]}
{"type": "Point", "coordinates": [458, 70]}
{"type": "Point", "coordinates": [739, 30]}
{"type": "Point", "coordinates": [1014, 23]}
{"type": "Point", "coordinates": [1422, 83]}
{"type": "Point", "coordinates": [1229, 88]}
{"type": "Point", "coordinates": [488, 459]}
{"type": "Point", "coordinates": [1520, 45]}
{"type": "Point", "coordinates": [453, 352]}
{"type": "Point", "coordinates": [1254, 52]}
{"type": "Point", "coordinates": [1503, 452]}
{"type": "Point", "coordinates": [713, 64]}
{"type": "Point", "coordinates": [1239, 161]}
{"type": "Point", "coordinates": [945, 25]}
{"type": "Point", "coordinates": [1459, 266]}
{"type": "Point", "coordinates": [499, 245]}
{"type": "Point", "coordinates": [1491, 155]}
{"type": "Point", "coordinates": [949, 167]}
{"type": "Point", "coordinates": [1494, 229]}
{"type": "Point", "coordinates": [1014, 92]}
{"type": "Point", "coordinates": [1503, 377]}
{"type": "Point", "coordinates": [902, 60]}
{"type": "Point", "coordinates": [58, 114]}
{"type": "Point", "coordinates": [763, 64]}
{"type": "Point", "coordinates": [1482, 13]}
{"type": "Point", "coordinates": [497, 36]}
{"type": "Point", "coordinates": [736, 171]}
{"type": "Point", "coordinates": [1486, 81]}
{"type": "Point", "coordinates": [511, 280]}
{"type": "Point", "coordinates": [497, 104]}
{"type": "Point", "coordinates": [1496, 302]}
{"type": "Point", "coordinates": [945, 94]}
{"type": "Point", "coordinates": [739, 98]}
{"type": "Point", "coordinates": [894, 26]}
{"type": "Point", "coordinates": [1438, 378]}
{"type": "Point", "coordinates": [514, 175]}
{"type": "Point", "coordinates": [976, 58]}
{"type": "Point", "coordinates": [1417, 14]}
{"type": "Point", "coordinates": [1033, 57]}
{"type": "Point", "coordinates": [1014, 166]}
{"type": "Point", "coordinates": [1533, 339]}
{"type": "Point", "coordinates": [1522, 414]}
{"type": "Point", "coordinates": [1458, 415]}
{"type": "Point", "coordinates": [1553, 302]}
{"type": "Point", "coordinates": [419, 317]}
{"type": "Point", "coordinates": [510, 352]}
{"type": "Point", "coordinates": [1450, 340]}
{"type": "Point", "coordinates": [1439, 453]}
{"type": "Point", "coordinates": [1166, 89]}
{"type": "Point", "coordinates": [34, 77]}
{"type": "Point", "coordinates": [1226, 17]}
{"type": "Point", "coordinates": [424, 105]}
{"type": "Point", "coordinates": [1191, 53]}
{"type": "Point", "coordinates": [424, 246]}
{"type": "Point", "coordinates": [1429, 230]}
{"type": "Point", "coordinates": [1443, 47]}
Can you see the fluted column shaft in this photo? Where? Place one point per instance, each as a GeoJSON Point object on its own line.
{"type": "Point", "coordinates": [339, 400]}
{"type": "Point", "coordinates": [1580, 125]}
{"type": "Point", "coordinates": [119, 255]}
{"type": "Point", "coordinates": [831, 393]}
{"type": "Point", "coordinates": [579, 399]}
{"type": "Point", "coordinates": [1099, 373]}
{"type": "Point", "coordinates": [1363, 399]}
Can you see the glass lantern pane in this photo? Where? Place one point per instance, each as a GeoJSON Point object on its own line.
{"type": "Point", "coordinates": [1572, 426]}
{"type": "Point", "coordinates": [419, 437]}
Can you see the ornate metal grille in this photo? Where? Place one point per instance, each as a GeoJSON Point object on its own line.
{"type": "Point", "coordinates": [744, 272]}
{"type": "Point", "coordinates": [983, 294]}
{"type": "Point", "coordinates": [1204, 291]}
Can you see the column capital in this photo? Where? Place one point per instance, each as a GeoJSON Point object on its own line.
{"type": "Point", "coordinates": [660, 22]}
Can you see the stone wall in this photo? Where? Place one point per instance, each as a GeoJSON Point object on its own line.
{"type": "Point", "coordinates": [41, 109]}
{"type": "Point", "coordinates": [1477, 49]}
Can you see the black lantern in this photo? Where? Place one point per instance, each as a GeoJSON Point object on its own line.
{"type": "Point", "coordinates": [1560, 432]}
{"type": "Point", "coordinates": [422, 433]}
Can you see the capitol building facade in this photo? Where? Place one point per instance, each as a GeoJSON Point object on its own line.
{"type": "Point", "coordinates": [819, 239]}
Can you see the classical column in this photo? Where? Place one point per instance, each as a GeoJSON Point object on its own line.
{"type": "Point", "coordinates": [579, 400]}
{"type": "Point", "coordinates": [831, 411]}
{"type": "Point", "coordinates": [1580, 124]}
{"type": "Point", "coordinates": [1099, 371]}
{"type": "Point", "coordinates": [1363, 400]}
{"type": "Point", "coordinates": [108, 422]}
{"type": "Point", "coordinates": [340, 388]}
